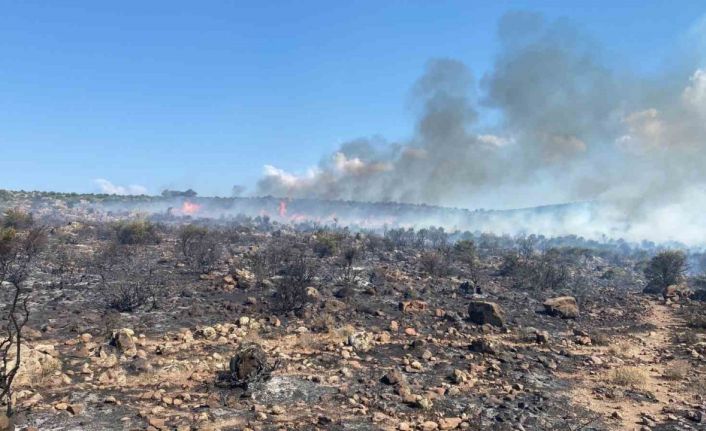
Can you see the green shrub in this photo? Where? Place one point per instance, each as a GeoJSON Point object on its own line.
{"type": "Point", "coordinates": [136, 232]}
{"type": "Point", "coordinates": [665, 269]}
{"type": "Point", "coordinates": [17, 219]}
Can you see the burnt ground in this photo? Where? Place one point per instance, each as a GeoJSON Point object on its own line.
{"type": "Point", "coordinates": [335, 355]}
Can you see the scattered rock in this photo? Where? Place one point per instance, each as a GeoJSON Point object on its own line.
{"type": "Point", "coordinates": [562, 306]}
{"type": "Point", "coordinates": [485, 312]}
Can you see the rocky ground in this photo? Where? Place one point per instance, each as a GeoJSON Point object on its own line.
{"type": "Point", "coordinates": [400, 344]}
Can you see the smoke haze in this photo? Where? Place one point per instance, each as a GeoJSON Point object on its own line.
{"type": "Point", "coordinates": [570, 129]}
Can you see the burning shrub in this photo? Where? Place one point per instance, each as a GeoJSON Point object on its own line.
{"type": "Point", "coordinates": [199, 246]}
{"type": "Point", "coordinates": [665, 269]}
{"type": "Point", "coordinates": [17, 219]}
{"type": "Point", "coordinates": [136, 232]}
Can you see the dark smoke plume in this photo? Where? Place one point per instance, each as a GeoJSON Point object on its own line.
{"type": "Point", "coordinates": [571, 129]}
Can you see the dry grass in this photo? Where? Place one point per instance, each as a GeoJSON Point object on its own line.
{"type": "Point", "coordinates": [676, 370]}
{"type": "Point", "coordinates": [628, 376]}
{"type": "Point", "coordinates": [624, 349]}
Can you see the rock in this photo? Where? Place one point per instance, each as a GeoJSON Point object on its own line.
{"type": "Point", "coordinates": [122, 339]}
{"type": "Point", "coordinates": [394, 377]}
{"type": "Point", "coordinates": [483, 345]}
{"type": "Point", "coordinates": [485, 312]}
{"type": "Point", "coordinates": [412, 306]}
{"type": "Point", "coordinates": [542, 337]}
{"type": "Point", "coordinates": [449, 423]}
{"type": "Point", "coordinates": [459, 376]}
{"type": "Point", "coordinates": [562, 306]}
{"type": "Point", "coordinates": [208, 333]}
{"type": "Point", "coordinates": [244, 279]}
{"type": "Point", "coordinates": [36, 362]}
{"type": "Point", "coordinates": [429, 426]}
{"type": "Point", "coordinates": [677, 291]}
{"type": "Point", "coordinates": [75, 409]}
{"type": "Point", "coordinates": [424, 403]}
{"type": "Point", "coordinates": [6, 424]}
{"type": "Point", "coordinates": [156, 422]}
{"type": "Point", "coordinates": [360, 341]}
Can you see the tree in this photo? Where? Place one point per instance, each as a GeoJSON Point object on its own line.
{"type": "Point", "coordinates": [665, 269]}
{"type": "Point", "coordinates": [18, 254]}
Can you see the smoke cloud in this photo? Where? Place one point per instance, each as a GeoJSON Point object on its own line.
{"type": "Point", "coordinates": [571, 128]}
{"type": "Point", "coordinates": [109, 188]}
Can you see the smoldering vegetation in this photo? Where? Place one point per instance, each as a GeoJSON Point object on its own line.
{"type": "Point", "coordinates": [169, 321]}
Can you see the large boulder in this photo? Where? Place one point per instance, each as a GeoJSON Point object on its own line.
{"type": "Point", "coordinates": [6, 423]}
{"type": "Point", "coordinates": [677, 291]}
{"type": "Point", "coordinates": [485, 312]}
{"type": "Point", "coordinates": [36, 363]}
{"type": "Point", "coordinates": [562, 306]}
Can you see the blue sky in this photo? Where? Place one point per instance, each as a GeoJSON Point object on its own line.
{"type": "Point", "coordinates": [204, 94]}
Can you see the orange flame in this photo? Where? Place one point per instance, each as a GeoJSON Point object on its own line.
{"type": "Point", "coordinates": [282, 208]}
{"type": "Point", "coordinates": [190, 208]}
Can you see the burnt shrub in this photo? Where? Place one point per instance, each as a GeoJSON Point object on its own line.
{"type": "Point", "coordinates": [136, 232]}
{"type": "Point", "coordinates": [349, 274]}
{"type": "Point", "coordinates": [199, 247]}
{"type": "Point", "coordinates": [296, 272]}
{"type": "Point", "coordinates": [510, 265]}
{"type": "Point", "coordinates": [545, 272]}
{"type": "Point", "coordinates": [435, 263]}
{"type": "Point", "coordinates": [128, 277]}
{"type": "Point", "coordinates": [665, 269]}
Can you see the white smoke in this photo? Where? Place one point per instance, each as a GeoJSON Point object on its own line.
{"type": "Point", "coordinates": [571, 129]}
{"type": "Point", "coordinates": [109, 188]}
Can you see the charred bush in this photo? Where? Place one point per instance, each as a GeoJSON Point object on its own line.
{"type": "Point", "coordinates": [66, 266]}
{"type": "Point", "coordinates": [199, 247]}
{"type": "Point", "coordinates": [247, 367]}
{"type": "Point", "coordinates": [349, 274]}
{"type": "Point", "coordinates": [665, 269]}
{"type": "Point", "coordinates": [510, 265]}
{"type": "Point", "coordinates": [128, 278]}
{"type": "Point", "coordinates": [546, 272]}
{"type": "Point", "coordinates": [435, 263]}
{"type": "Point", "coordinates": [136, 232]}
{"type": "Point", "coordinates": [296, 274]}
